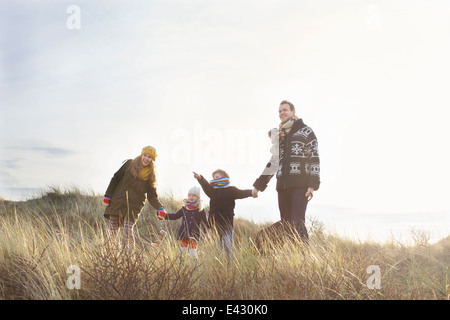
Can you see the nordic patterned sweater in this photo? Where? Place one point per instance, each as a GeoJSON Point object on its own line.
{"type": "Point", "coordinates": [298, 164]}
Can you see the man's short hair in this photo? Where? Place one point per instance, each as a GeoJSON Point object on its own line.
{"type": "Point", "coordinates": [222, 173]}
{"type": "Point", "coordinates": [291, 105]}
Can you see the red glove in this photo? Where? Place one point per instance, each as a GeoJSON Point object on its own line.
{"type": "Point", "coordinates": [161, 213]}
{"type": "Point", "coordinates": [106, 200]}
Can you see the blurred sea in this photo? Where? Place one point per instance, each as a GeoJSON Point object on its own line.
{"type": "Point", "coordinates": [355, 225]}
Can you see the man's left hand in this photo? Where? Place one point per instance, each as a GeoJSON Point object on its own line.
{"type": "Point", "coordinates": [309, 193]}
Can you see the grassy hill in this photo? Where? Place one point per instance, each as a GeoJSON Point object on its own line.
{"type": "Point", "coordinates": [43, 239]}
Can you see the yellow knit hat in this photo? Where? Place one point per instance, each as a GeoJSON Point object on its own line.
{"type": "Point", "coordinates": [150, 151]}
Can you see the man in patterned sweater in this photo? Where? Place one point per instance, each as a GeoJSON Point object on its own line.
{"type": "Point", "coordinates": [295, 161]}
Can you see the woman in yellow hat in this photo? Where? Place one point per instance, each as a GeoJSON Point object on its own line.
{"type": "Point", "coordinates": [126, 194]}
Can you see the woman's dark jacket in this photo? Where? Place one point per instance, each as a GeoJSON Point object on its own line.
{"type": "Point", "coordinates": [190, 223]}
{"type": "Point", "coordinates": [299, 164]}
{"type": "Point", "coordinates": [128, 195]}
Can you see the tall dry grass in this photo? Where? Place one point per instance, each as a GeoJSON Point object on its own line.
{"type": "Point", "coordinates": [42, 237]}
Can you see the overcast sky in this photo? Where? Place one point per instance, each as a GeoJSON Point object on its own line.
{"type": "Point", "coordinates": [84, 88]}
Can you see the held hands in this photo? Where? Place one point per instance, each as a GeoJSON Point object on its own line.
{"type": "Point", "coordinates": [255, 193]}
{"type": "Point", "coordinates": [161, 213]}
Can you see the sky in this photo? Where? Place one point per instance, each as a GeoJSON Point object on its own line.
{"type": "Point", "coordinates": [85, 85]}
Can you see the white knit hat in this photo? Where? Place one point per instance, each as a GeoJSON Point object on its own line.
{"type": "Point", "coordinates": [195, 190]}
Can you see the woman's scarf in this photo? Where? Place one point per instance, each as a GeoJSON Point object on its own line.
{"type": "Point", "coordinates": [220, 182]}
{"type": "Point", "coordinates": [145, 173]}
{"type": "Point", "coordinates": [286, 127]}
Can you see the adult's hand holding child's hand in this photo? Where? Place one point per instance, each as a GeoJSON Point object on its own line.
{"type": "Point", "coordinates": [161, 214]}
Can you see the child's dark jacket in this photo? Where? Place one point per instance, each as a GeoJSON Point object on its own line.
{"type": "Point", "coordinates": [222, 204]}
{"type": "Point", "coordinates": [190, 223]}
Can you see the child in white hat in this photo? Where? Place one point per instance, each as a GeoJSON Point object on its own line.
{"type": "Point", "coordinates": [193, 216]}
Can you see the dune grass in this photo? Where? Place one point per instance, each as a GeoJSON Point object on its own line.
{"type": "Point", "coordinates": [43, 238]}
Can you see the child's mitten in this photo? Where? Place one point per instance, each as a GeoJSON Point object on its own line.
{"type": "Point", "coordinates": [161, 213]}
{"type": "Point", "coordinates": [106, 200]}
